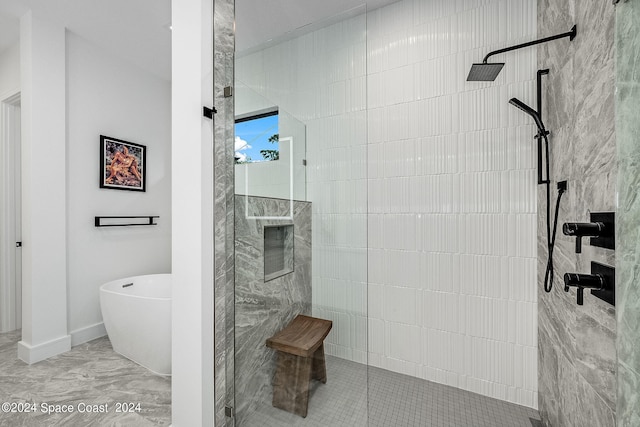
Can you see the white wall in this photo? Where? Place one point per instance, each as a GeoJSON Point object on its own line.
{"type": "Point", "coordinates": [443, 194]}
{"type": "Point", "coordinates": [452, 197]}
{"type": "Point", "coordinates": [73, 92]}
{"type": "Point", "coordinates": [10, 71]}
{"type": "Point", "coordinates": [117, 112]}
{"type": "Point", "coordinates": [44, 255]}
{"type": "Point", "coordinates": [106, 95]}
{"type": "Point", "coordinates": [192, 399]}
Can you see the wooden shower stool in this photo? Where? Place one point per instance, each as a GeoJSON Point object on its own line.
{"type": "Point", "coordinates": [300, 359]}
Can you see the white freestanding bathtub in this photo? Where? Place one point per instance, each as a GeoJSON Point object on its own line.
{"type": "Point", "coordinates": [137, 315]}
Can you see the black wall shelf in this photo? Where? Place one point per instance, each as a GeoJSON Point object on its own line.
{"type": "Point", "coordinates": [150, 220]}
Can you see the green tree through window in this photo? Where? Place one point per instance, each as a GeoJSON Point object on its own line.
{"type": "Point", "coordinates": [272, 154]}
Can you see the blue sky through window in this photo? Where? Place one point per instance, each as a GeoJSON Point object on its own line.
{"type": "Point", "coordinates": [253, 136]}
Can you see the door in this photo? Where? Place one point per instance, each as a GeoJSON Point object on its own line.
{"type": "Point", "coordinates": [10, 222]}
{"type": "Point", "coordinates": [17, 218]}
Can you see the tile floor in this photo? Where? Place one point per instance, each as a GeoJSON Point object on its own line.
{"type": "Point", "coordinates": [401, 400]}
{"type": "Point", "coordinates": [94, 374]}
{"type": "Point", "coordinates": [394, 400]}
{"type": "Point", "coordinates": [342, 401]}
{"type": "Point", "coordinates": [91, 374]}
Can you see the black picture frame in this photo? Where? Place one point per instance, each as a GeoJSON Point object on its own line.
{"type": "Point", "coordinates": [123, 164]}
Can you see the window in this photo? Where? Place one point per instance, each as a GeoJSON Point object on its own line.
{"type": "Point", "coordinates": [257, 137]}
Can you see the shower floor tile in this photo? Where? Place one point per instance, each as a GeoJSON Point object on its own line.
{"type": "Point", "coordinates": [91, 374]}
{"type": "Point", "coordinates": [393, 400]}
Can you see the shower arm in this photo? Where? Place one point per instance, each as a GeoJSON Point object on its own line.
{"type": "Point", "coordinates": [571, 34]}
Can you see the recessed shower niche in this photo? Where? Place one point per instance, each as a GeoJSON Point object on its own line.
{"type": "Point", "coordinates": [278, 251]}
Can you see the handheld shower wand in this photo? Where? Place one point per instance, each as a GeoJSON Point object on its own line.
{"type": "Point", "coordinates": [542, 134]}
{"type": "Point", "coordinates": [530, 111]}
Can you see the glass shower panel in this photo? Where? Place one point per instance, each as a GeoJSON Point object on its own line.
{"type": "Point", "coordinates": [313, 203]}
{"type": "Point", "coordinates": [272, 254]}
{"type": "Point", "coordinates": [627, 97]}
{"type": "Point", "coordinates": [270, 149]}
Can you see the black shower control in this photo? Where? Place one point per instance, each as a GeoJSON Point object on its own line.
{"type": "Point", "coordinates": [582, 281]}
{"type": "Point", "coordinates": [581, 229]}
{"type": "Point", "coordinates": [600, 229]}
{"type": "Point", "coordinates": [592, 281]}
{"type": "Point", "coordinates": [601, 281]}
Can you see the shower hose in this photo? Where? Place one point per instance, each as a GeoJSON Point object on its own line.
{"type": "Point", "coordinates": [551, 238]}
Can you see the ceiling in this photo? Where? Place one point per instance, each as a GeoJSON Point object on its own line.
{"type": "Point", "coordinates": [138, 30]}
{"type": "Point", "coordinates": [259, 21]}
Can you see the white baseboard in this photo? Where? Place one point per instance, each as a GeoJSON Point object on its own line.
{"type": "Point", "coordinates": [83, 335]}
{"type": "Point", "coordinates": [33, 354]}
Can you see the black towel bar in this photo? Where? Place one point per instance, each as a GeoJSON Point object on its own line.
{"type": "Point", "coordinates": [150, 218]}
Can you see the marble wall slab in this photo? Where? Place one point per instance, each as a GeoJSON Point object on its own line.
{"type": "Point", "coordinates": [263, 308]}
{"type": "Point", "coordinates": [222, 205]}
{"type": "Point", "coordinates": [627, 230]}
{"type": "Point", "coordinates": [576, 344]}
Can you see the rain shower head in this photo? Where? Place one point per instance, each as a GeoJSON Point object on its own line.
{"type": "Point", "coordinates": [484, 72]}
{"type": "Point", "coordinates": [530, 111]}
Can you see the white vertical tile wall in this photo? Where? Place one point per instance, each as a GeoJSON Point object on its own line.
{"type": "Point", "coordinates": [452, 197]}
{"type": "Point", "coordinates": [320, 78]}
{"type": "Point", "coordinates": [423, 188]}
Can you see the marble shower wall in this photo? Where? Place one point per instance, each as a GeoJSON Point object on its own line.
{"type": "Point", "coordinates": [223, 262]}
{"type": "Point", "coordinates": [628, 232]}
{"type": "Point", "coordinates": [576, 344]}
{"type": "Point", "coordinates": [264, 308]}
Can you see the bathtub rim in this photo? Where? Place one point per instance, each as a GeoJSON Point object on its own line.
{"type": "Point", "coordinates": [128, 295]}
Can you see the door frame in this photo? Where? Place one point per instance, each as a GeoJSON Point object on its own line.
{"type": "Point", "coordinates": [10, 273]}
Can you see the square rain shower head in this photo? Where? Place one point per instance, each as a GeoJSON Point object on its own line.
{"type": "Point", "coordinates": [484, 72]}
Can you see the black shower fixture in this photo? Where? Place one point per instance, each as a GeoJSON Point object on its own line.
{"type": "Point", "coordinates": [601, 282]}
{"type": "Point", "coordinates": [562, 186]}
{"type": "Point", "coordinates": [536, 115]}
{"type": "Point", "coordinates": [583, 229]}
{"type": "Point", "coordinates": [487, 72]}
{"type": "Point", "coordinates": [530, 111]}
{"type": "Point", "coordinates": [582, 282]}
{"type": "Point", "coordinates": [601, 229]}
{"type": "Point", "coordinates": [542, 132]}
{"type": "Point", "coordinates": [484, 72]}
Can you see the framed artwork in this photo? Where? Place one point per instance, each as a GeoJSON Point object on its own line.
{"type": "Point", "coordinates": [122, 164]}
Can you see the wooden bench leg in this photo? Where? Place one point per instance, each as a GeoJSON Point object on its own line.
{"type": "Point", "coordinates": [319, 367]}
{"type": "Point", "coordinates": [291, 383]}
